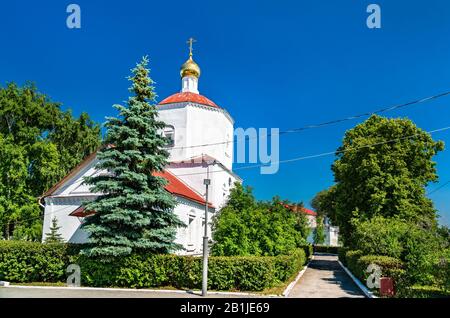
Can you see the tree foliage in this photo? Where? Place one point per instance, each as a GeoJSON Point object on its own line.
{"type": "Point", "coordinates": [39, 144]}
{"type": "Point", "coordinates": [319, 231]}
{"type": "Point", "coordinates": [53, 236]}
{"type": "Point", "coordinates": [135, 212]}
{"type": "Point", "coordinates": [382, 169]}
{"type": "Point", "coordinates": [245, 226]}
{"type": "Point", "coordinates": [324, 205]}
{"type": "Point", "coordinates": [380, 204]}
{"type": "Point", "coordinates": [423, 251]}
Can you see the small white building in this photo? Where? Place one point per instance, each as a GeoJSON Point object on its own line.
{"type": "Point", "coordinates": [192, 121]}
{"type": "Point", "coordinates": [331, 234]}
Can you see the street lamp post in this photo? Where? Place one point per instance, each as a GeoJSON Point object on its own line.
{"type": "Point", "coordinates": [206, 182]}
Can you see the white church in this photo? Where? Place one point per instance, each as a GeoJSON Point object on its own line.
{"type": "Point", "coordinates": [192, 120]}
{"type": "Point", "coordinates": [197, 128]}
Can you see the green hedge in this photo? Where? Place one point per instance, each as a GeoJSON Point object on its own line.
{"type": "Point", "coordinates": [358, 263]}
{"type": "Point", "coordinates": [309, 250]}
{"type": "Point", "coordinates": [425, 292]}
{"type": "Point", "coordinates": [247, 273]}
{"type": "Point", "coordinates": [342, 255]}
{"type": "Point", "coordinates": [326, 249]}
{"type": "Point", "coordinates": [25, 262]}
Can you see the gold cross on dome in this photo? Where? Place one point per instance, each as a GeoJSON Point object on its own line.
{"type": "Point", "coordinates": [190, 42]}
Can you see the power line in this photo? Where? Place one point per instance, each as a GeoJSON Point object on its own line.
{"type": "Point", "coordinates": [439, 188]}
{"type": "Point", "coordinates": [35, 217]}
{"type": "Point", "coordinates": [295, 130]}
{"type": "Point", "coordinates": [322, 154]}
{"type": "Point", "coordinates": [288, 161]}
{"type": "Point", "coordinates": [332, 122]}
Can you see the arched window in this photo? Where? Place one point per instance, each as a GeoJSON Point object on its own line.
{"type": "Point", "coordinates": [169, 133]}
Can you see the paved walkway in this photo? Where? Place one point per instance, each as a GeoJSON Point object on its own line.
{"type": "Point", "coordinates": [325, 278]}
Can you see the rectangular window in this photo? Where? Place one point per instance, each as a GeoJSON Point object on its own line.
{"type": "Point", "coordinates": [169, 133]}
{"type": "Point", "coordinates": [191, 233]}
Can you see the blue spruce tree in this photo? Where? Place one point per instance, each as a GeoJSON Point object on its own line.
{"type": "Point", "coordinates": [135, 214]}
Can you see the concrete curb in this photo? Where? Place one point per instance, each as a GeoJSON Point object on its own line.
{"type": "Point", "coordinates": [142, 290]}
{"type": "Point", "coordinates": [363, 288]}
{"type": "Point", "coordinates": [321, 253]}
{"type": "Point", "coordinates": [289, 288]}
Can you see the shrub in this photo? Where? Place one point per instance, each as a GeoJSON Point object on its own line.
{"type": "Point", "coordinates": [351, 261]}
{"type": "Point", "coordinates": [380, 236]}
{"type": "Point", "coordinates": [245, 273]}
{"type": "Point", "coordinates": [342, 255]}
{"type": "Point", "coordinates": [247, 227]}
{"type": "Point", "coordinates": [390, 267]}
{"type": "Point", "coordinates": [398, 270]}
{"type": "Point", "coordinates": [326, 249]}
{"type": "Point", "coordinates": [423, 252]}
{"type": "Point", "coordinates": [287, 266]}
{"type": "Point", "coordinates": [357, 264]}
{"type": "Point", "coordinates": [441, 271]}
{"type": "Point", "coordinates": [308, 249]}
{"type": "Point", "coordinates": [25, 262]}
{"type": "Point", "coordinates": [424, 292]}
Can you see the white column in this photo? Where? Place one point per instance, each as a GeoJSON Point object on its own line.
{"type": "Point", "coordinates": [189, 84]}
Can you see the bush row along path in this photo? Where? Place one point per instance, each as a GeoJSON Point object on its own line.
{"type": "Point", "coordinates": [325, 278]}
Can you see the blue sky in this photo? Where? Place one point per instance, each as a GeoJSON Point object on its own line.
{"type": "Point", "coordinates": [281, 64]}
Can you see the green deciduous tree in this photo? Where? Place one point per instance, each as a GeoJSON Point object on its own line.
{"type": "Point", "coordinates": [319, 235]}
{"type": "Point", "coordinates": [135, 212]}
{"type": "Point", "coordinates": [382, 169]}
{"type": "Point", "coordinates": [39, 144]}
{"type": "Point", "coordinates": [245, 226]}
{"type": "Point", "coordinates": [324, 204]}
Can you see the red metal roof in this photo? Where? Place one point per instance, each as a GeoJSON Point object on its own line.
{"type": "Point", "coordinates": [304, 210]}
{"type": "Point", "coordinates": [309, 212]}
{"type": "Point", "coordinates": [81, 213]}
{"type": "Point", "coordinates": [179, 188]}
{"type": "Point", "coordinates": [188, 97]}
{"type": "Point", "coordinates": [174, 186]}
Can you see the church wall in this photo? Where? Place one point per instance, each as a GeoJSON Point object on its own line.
{"type": "Point", "coordinates": [207, 126]}
{"type": "Point", "coordinates": [61, 208]}
{"type": "Point", "coordinates": [191, 237]}
{"type": "Point", "coordinates": [223, 182]}
{"type": "Point", "coordinates": [190, 213]}
{"type": "Point", "coordinates": [75, 184]}
{"type": "Point", "coordinates": [176, 117]}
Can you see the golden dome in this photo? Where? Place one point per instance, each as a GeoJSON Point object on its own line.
{"type": "Point", "coordinates": [190, 68]}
